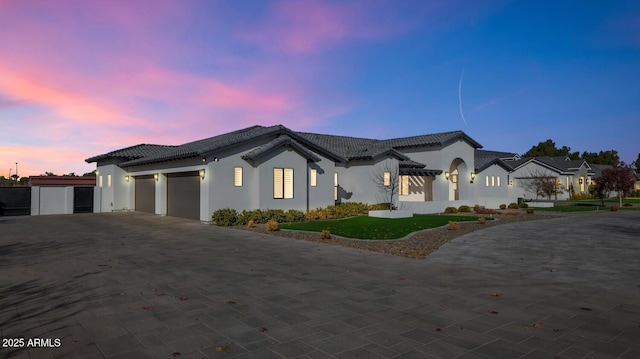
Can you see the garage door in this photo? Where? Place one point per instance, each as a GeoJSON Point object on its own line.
{"type": "Point", "coordinates": [146, 194]}
{"type": "Point", "coordinates": [183, 195]}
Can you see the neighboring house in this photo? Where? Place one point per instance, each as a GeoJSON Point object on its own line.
{"type": "Point", "coordinates": [571, 176]}
{"type": "Point", "coordinates": [275, 167]}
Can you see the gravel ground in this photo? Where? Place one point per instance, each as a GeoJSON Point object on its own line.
{"type": "Point", "coordinates": [417, 245]}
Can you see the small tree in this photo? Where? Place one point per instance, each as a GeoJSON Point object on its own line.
{"type": "Point", "coordinates": [387, 180]}
{"type": "Point", "coordinates": [542, 184]}
{"type": "Point", "coordinates": [620, 179]}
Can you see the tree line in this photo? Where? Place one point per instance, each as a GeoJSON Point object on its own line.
{"type": "Point", "coordinates": [607, 157]}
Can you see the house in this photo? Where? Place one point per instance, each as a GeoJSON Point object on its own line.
{"type": "Point", "coordinates": [493, 179]}
{"type": "Point", "coordinates": [275, 167]}
{"type": "Point", "coordinates": [569, 177]}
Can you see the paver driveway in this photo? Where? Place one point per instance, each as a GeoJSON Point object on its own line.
{"type": "Point", "coordinates": [132, 285]}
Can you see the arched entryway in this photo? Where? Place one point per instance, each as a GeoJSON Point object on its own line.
{"type": "Point", "coordinates": [458, 187]}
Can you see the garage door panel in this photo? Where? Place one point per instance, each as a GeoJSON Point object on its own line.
{"type": "Point", "coordinates": [183, 195]}
{"type": "Point", "coordinates": [145, 194]}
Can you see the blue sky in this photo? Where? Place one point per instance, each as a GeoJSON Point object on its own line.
{"type": "Point", "coordinates": [82, 78]}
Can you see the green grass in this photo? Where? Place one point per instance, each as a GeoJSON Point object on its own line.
{"type": "Point", "coordinates": [572, 208]}
{"type": "Point", "coordinates": [365, 227]}
{"type": "Point", "coordinates": [609, 200]}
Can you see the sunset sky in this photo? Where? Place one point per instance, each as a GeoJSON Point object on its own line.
{"type": "Point", "coordinates": [81, 78]}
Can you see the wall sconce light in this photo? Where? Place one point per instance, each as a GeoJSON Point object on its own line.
{"type": "Point", "coordinates": [511, 183]}
{"type": "Point", "coordinates": [580, 181]}
{"type": "Point", "coordinates": [446, 175]}
{"type": "Point", "coordinates": [155, 177]}
{"type": "Point", "coordinates": [473, 176]}
{"type": "Point", "coordinates": [126, 178]}
{"type": "Point", "coordinates": [201, 174]}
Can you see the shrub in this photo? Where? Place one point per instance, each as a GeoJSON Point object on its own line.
{"type": "Point", "coordinates": [529, 210]}
{"type": "Point", "coordinates": [485, 211]}
{"type": "Point", "coordinates": [523, 205]}
{"type": "Point", "coordinates": [274, 214]}
{"type": "Point", "coordinates": [513, 205]}
{"type": "Point", "coordinates": [503, 206]}
{"type": "Point", "coordinates": [272, 225]}
{"type": "Point", "coordinates": [325, 234]}
{"type": "Point", "coordinates": [343, 210]}
{"type": "Point", "coordinates": [477, 207]}
{"type": "Point", "coordinates": [613, 208]}
{"type": "Point", "coordinates": [579, 196]}
{"type": "Point", "coordinates": [481, 220]}
{"type": "Point", "coordinates": [379, 206]}
{"type": "Point", "coordinates": [453, 226]}
{"type": "Point", "coordinates": [225, 217]}
{"type": "Point", "coordinates": [627, 205]}
{"type": "Point", "coordinates": [451, 210]}
{"type": "Point", "coordinates": [251, 224]}
{"type": "Point", "coordinates": [464, 208]}
{"type": "Point", "coordinates": [293, 215]}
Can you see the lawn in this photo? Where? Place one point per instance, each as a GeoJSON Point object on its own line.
{"type": "Point", "coordinates": [610, 200]}
{"type": "Point", "coordinates": [572, 209]}
{"type": "Point", "coordinates": [365, 227]}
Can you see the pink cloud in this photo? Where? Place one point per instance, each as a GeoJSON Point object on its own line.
{"type": "Point", "coordinates": [303, 27]}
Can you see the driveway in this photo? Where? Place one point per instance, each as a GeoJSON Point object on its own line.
{"type": "Point", "coordinates": [134, 285]}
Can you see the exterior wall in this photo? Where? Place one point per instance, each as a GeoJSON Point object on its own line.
{"type": "Point", "coordinates": [530, 169]}
{"type": "Point", "coordinates": [493, 196]}
{"type": "Point", "coordinates": [322, 194]}
{"type": "Point", "coordinates": [284, 159]}
{"type": "Point", "coordinates": [51, 200]}
{"type": "Point", "coordinates": [442, 158]}
{"type": "Point", "coordinates": [359, 182]}
{"type": "Point", "coordinates": [112, 196]}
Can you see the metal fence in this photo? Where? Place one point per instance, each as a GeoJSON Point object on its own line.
{"type": "Point", "coordinates": [15, 201]}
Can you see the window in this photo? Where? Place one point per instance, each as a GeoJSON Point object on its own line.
{"type": "Point", "coordinates": [387, 178]}
{"type": "Point", "coordinates": [313, 174]}
{"type": "Point", "coordinates": [498, 181]}
{"type": "Point", "coordinates": [493, 181]}
{"type": "Point", "coordinates": [108, 180]}
{"type": "Point", "coordinates": [404, 185]}
{"type": "Point", "coordinates": [100, 181]}
{"type": "Point", "coordinates": [237, 176]}
{"type": "Point", "coordinates": [283, 183]}
{"type": "Point", "coordinates": [486, 178]}
{"type": "Point", "coordinates": [335, 186]}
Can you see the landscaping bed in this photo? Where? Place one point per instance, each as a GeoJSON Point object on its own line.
{"type": "Point", "coordinates": [418, 246]}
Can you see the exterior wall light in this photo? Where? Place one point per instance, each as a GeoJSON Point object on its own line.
{"type": "Point", "coordinates": [204, 159]}
{"type": "Point", "coordinates": [580, 181]}
{"type": "Point", "coordinates": [215, 159]}
{"type": "Point", "coordinates": [511, 183]}
{"type": "Point", "coordinates": [201, 174]}
{"type": "Point", "coordinates": [126, 178]}
{"type": "Point", "coordinates": [155, 177]}
{"type": "Point", "coordinates": [473, 176]}
{"type": "Point", "coordinates": [446, 175]}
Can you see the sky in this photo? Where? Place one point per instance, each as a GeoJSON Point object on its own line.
{"type": "Point", "coordinates": [82, 78]}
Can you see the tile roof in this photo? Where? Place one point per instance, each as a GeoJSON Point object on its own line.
{"type": "Point", "coordinates": [561, 163]}
{"type": "Point", "coordinates": [133, 152]}
{"type": "Point", "coordinates": [339, 148]}
{"type": "Point", "coordinates": [430, 140]}
{"type": "Point", "coordinates": [282, 140]}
